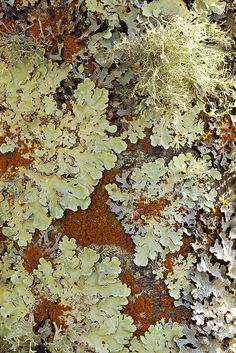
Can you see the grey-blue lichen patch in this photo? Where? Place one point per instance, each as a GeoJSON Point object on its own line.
{"type": "Point", "coordinates": [212, 297]}
{"type": "Point", "coordinates": [155, 200]}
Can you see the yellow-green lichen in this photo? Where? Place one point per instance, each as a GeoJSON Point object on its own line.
{"type": "Point", "coordinates": [157, 199]}
{"type": "Point", "coordinates": [77, 280]}
{"type": "Point", "coordinates": [160, 338]}
{"type": "Point", "coordinates": [178, 281]}
{"type": "Point", "coordinates": [68, 147]}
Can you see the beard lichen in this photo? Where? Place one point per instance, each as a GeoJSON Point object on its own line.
{"type": "Point", "coordinates": [176, 63]}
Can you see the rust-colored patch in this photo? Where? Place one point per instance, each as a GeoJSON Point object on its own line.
{"type": "Point", "coordinates": [166, 308]}
{"type": "Point", "coordinates": [227, 132]}
{"type": "Point", "coordinates": [7, 25]}
{"type": "Point", "coordinates": [185, 249]}
{"type": "Point", "coordinates": [55, 28]}
{"type": "Point", "coordinates": [97, 224]}
{"type": "Point", "coordinates": [150, 301]}
{"type": "Point", "coordinates": [2, 237]}
{"type": "Point", "coordinates": [144, 143]}
{"type": "Point", "coordinates": [32, 254]}
{"type": "Point", "coordinates": [91, 67]}
{"type": "Point", "coordinates": [54, 311]}
{"type": "Point", "coordinates": [151, 304]}
{"type": "Point", "coordinates": [141, 310]}
{"type": "Point", "coordinates": [150, 209]}
{"type": "Point", "coordinates": [71, 47]}
{"type": "Point", "coordinates": [9, 162]}
{"type": "Point", "coordinates": [34, 251]}
{"type": "Point", "coordinates": [128, 278]}
{"type": "Point", "coordinates": [209, 135]}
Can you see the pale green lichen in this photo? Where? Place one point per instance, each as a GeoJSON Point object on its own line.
{"type": "Point", "coordinates": [175, 189]}
{"type": "Point", "coordinates": [176, 63]}
{"type": "Point", "coordinates": [160, 338]}
{"type": "Point", "coordinates": [210, 6]}
{"type": "Point", "coordinates": [86, 285]}
{"type": "Point", "coordinates": [176, 66]}
{"type": "Point", "coordinates": [178, 281]}
{"type": "Point", "coordinates": [15, 47]}
{"type": "Point", "coordinates": [178, 130]}
{"type": "Point", "coordinates": [68, 149]}
{"type": "Point", "coordinates": [8, 146]}
{"type": "Point", "coordinates": [171, 130]}
{"type": "Point", "coordinates": [157, 8]}
{"type": "Point", "coordinates": [133, 13]}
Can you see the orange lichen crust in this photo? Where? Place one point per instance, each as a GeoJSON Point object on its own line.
{"type": "Point", "coordinates": [49, 310]}
{"type": "Point", "coordinates": [143, 144]}
{"type": "Point", "coordinates": [151, 209]}
{"type": "Point", "coordinates": [2, 237]}
{"type": "Point", "coordinates": [127, 277]}
{"type": "Point", "coordinates": [32, 254]}
{"type": "Point", "coordinates": [223, 134]}
{"type": "Point", "coordinates": [34, 251]}
{"type": "Point", "coordinates": [185, 249]}
{"type": "Point", "coordinates": [227, 132]}
{"type": "Point", "coordinates": [9, 162]}
{"type": "Point", "coordinates": [97, 224]}
{"type": "Point", "coordinates": [149, 302]}
{"type": "Point", "coordinates": [56, 28]}
{"type": "Point", "coordinates": [7, 25]}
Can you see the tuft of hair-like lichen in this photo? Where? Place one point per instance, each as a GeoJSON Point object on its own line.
{"type": "Point", "coordinates": [176, 62]}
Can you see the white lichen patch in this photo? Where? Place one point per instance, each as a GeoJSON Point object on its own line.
{"type": "Point", "coordinates": [212, 296]}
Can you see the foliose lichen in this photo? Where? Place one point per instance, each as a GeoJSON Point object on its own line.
{"type": "Point", "coordinates": [67, 148]}
{"type": "Point", "coordinates": [87, 296]}
{"type": "Point", "coordinates": [155, 200]}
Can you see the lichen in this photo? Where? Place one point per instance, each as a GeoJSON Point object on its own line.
{"type": "Point", "coordinates": [212, 296]}
{"type": "Point", "coordinates": [81, 294]}
{"type": "Point", "coordinates": [158, 339]}
{"type": "Point", "coordinates": [177, 65]}
{"type": "Point", "coordinates": [68, 149]}
{"type": "Point", "coordinates": [211, 6]}
{"type": "Point", "coordinates": [162, 71]}
{"type": "Point", "coordinates": [179, 280]}
{"type": "Point", "coordinates": [155, 201]}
